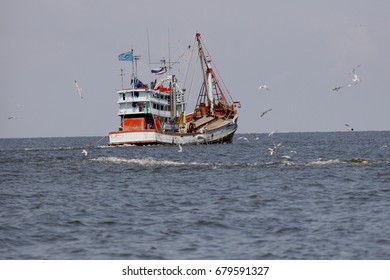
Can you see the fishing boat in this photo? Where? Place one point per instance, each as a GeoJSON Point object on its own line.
{"type": "Point", "coordinates": [155, 113]}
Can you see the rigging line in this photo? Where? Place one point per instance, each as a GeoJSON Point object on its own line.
{"type": "Point", "coordinates": [190, 60]}
{"type": "Point", "coordinates": [193, 78]}
{"type": "Point", "coordinates": [224, 85]}
{"type": "Point", "coordinates": [183, 61]}
{"type": "Point", "coordinates": [93, 144]}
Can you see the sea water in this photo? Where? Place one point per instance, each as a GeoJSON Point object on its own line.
{"type": "Point", "coordinates": [320, 196]}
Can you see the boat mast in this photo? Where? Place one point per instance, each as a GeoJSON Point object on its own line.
{"type": "Point", "coordinates": [207, 74]}
{"type": "Point", "coordinates": [210, 87]}
{"type": "Point", "coordinates": [173, 98]}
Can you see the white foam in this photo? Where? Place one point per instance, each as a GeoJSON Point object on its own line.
{"type": "Point", "coordinates": [149, 161]}
{"type": "Point", "coordinates": [105, 147]}
{"type": "Point", "coordinates": [324, 162]}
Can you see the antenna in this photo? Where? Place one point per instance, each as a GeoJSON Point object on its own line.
{"type": "Point", "coordinates": [122, 74]}
{"type": "Point", "coordinates": [169, 52]}
{"type": "Point", "coordinates": [132, 63]}
{"type": "Point", "coordinates": [147, 34]}
{"type": "Point", "coordinates": [136, 58]}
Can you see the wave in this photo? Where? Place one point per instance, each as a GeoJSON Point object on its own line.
{"type": "Point", "coordinates": [105, 147]}
{"type": "Point", "coordinates": [38, 149]}
{"type": "Point", "coordinates": [61, 148]}
{"type": "Point", "coordinates": [320, 161]}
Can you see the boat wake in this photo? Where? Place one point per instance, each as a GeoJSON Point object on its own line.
{"type": "Point", "coordinates": [337, 161]}
{"type": "Point", "coordinates": [148, 161]}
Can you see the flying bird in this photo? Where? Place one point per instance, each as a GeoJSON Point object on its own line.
{"type": "Point", "coordinates": [243, 138]}
{"type": "Point", "coordinates": [180, 148]}
{"type": "Point", "coordinates": [265, 112]}
{"type": "Point", "coordinates": [274, 150]}
{"type": "Point", "coordinates": [84, 152]}
{"type": "Point", "coordinates": [340, 87]}
{"type": "Point", "coordinates": [349, 127]}
{"type": "Point", "coordinates": [355, 77]}
{"type": "Point", "coordinates": [337, 88]}
{"type": "Point", "coordinates": [265, 87]}
{"type": "Point", "coordinates": [355, 80]}
{"type": "Point", "coordinates": [11, 117]}
{"type": "Point", "coordinates": [80, 90]}
{"type": "Point", "coordinates": [272, 133]}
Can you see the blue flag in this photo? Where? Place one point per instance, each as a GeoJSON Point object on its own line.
{"type": "Point", "coordinates": [127, 56]}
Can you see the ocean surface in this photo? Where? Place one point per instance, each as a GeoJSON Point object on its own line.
{"type": "Point", "coordinates": [320, 196]}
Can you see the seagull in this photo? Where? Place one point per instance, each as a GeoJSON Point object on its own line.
{"type": "Point", "coordinates": [180, 148]}
{"type": "Point", "coordinates": [337, 88]}
{"type": "Point", "coordinates": [256, 137]}
{"type": "Point", "coordinates": [349, 127]}
{"type": "Point", "coordinates": [273, 151]}
{"type": "Point", "coordinates": [80, 90]}
{"type": "Point", "coordinates": [201, 136]}
{"type": "Point", "coordinates": [272, 133]}
{"type": "Point", "coordinates": [85, 152]}
{"type": "Point", "coordinates": [11, 117]}
{"type": "Point", "coordinates": [340, 87]}
{"type": "Point", "coordinates": [243, 138]}
{"type": "Point", "coordinates": [264, 87]}
{"type": "Point", "coordinates": [355, 77]}
{"type": "Point", "coordinates": [343, 86]}
{"type": "Point", "coordinates": [265, 112]}
{"type": "Point", "coordinates": [355, 80]}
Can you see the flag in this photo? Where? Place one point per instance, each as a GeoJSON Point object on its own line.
{"type": "Point", "coordinates": [127, 56]}
{"type": "Point", "coordinates": [159, 71]}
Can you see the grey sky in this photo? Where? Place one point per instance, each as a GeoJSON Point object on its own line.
{"type": "Point", "coordinates": [300, 49]}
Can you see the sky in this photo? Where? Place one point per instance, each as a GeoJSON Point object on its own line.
{"type": "Point", "coordinates": [300, 49]}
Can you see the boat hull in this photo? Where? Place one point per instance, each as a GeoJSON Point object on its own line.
{"type": "Point", "coordinates": [133, 137]}
{"type": "Point", "coordinates": [219, 134]}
